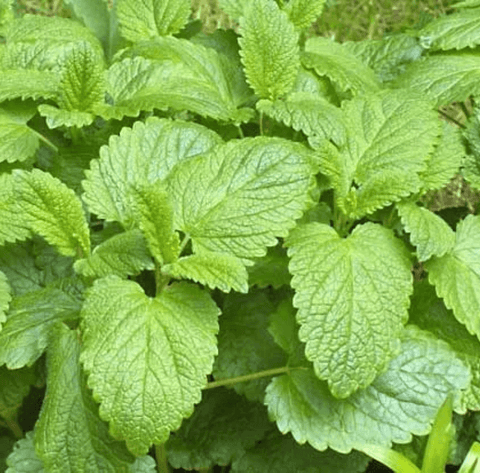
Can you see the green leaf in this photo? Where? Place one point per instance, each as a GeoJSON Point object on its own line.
{"type": "Point", "coordinates": [13, 225]}
{"type": "Point", "coordinates": [471, 463]}
{"type": "Point", "coordinates": [57, 117]}
{"type": "Point", "coordinates": [241, 213]}
{"type": "Point", "coordinates": [215, 270]}
{"type": "Point", "coordinates": [271, 269]}
{"type": "Point", "coordinates": [152, 355]}
{"type": "Point", "coordinates": [429, 233]}
{"type": "Point", "coordinates": [328, 58]}
{"type": "Point", "coordinates": [82, 83]}
{"type": "Point", "coordinates": [7, 15]}
{"type": "Point", "coordinates": [6, 447]}
{"type": "Point", "coordinates": [14, 387]}
{"type": "Point", "coordinates": [140, 155]}
{"type": "Point", "coordinates": [456, 276]}
{"type": "Point", "coordinates": [352, 306]}
{"type": "Point", "coordinates": [471, 164]}
{"type": "Point", "coordinates": [155, 218]}
{"type": "Point", "coordinates": [384, 412]}
{"type": "Point", "coordinates": [390, 458]}
{"type": "Point", "coordinates": [53, 211]}
{"type": "Point", "coordinates": [313, 115]}
{"type": "Point", "coordinates": [443, 78]}
{"type": "Point", "coordinates": [5, 297]}
{"type": "Point", "coordinates": [141, 20]}
{"type": "Point", "coordinates": [445, 161]}
{"type": "Point", "coordinates": [234, 8]}
{"type": "Point", "coordinates": [244, 344]}
{"type": "Point", "coordinates": [73, 438]}
{"type": "Point", "coordinates": [456, 31]}
{"type": "Point", "coordinates": [123, 255]}
{"type": "Point", "coordinates": [23, 458]}
{"type": "Point", "coordinates": [302, 13]}
{"type": "Point", "coordinates": [26, 333]}
{"type": "Point", "coordinates": [379, 165]}
{"type": "Point", "coordinates": [18, 141]}
{"type": "Point", "coordinates": [223, 425]}
{"type": "Point", "coordinates": [281, 454]}
{"type": "Point", "coordinates": [28, 84]}
{"type": "Point", "coordinates": [269, 49]}
{"type": "Point", "coordinates": [180, 74]}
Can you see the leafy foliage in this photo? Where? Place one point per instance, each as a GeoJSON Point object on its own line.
{"type": "Point", "coordinates": [154, 178]}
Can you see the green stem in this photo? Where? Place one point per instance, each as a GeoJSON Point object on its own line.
{"type": "Point", "coordinates": [240, 131]}
{"type": "Point", "coordinates": [261, 123]}
{"type": "Point", "coordinates": [184, 243]}
{"type": "Point", "coordinates": [251, 377]}
{"type": "Point", "coordinates": [161, 457]}
{"type": "Point", "coordinates": [15, 428]}
{"type": "Point", "coordinates": [160, 279]}
{"type": "Point", "coordinates": [465, 110]}
{"type": "Point", "coordinates": [46, 141]}
{"type": "Point", "coordinates": [453, 120]}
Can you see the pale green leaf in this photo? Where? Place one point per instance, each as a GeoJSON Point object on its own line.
{"type": "Point", "coordinates": [384, 412]}
{"type": "Point", "coordinates": [234, 8]}
{"type": "Point", "coordinates": [53, 211]}
{"type": "Point", "coordinates": [18, 141]}
{"type": "Point", "coordinates": [352, 306]}
{"type": "Point", "coordinates": [7, 15]}
{"type": "Point", "coordinates": [14, 387]}
{"type": "Point", "coordinates": [222, 426]}
{"type": "Point", "coordinates": [152, 355]}
{"type": "Point", "coordinates": [28, 84]}
{"type": "Point", "coordinates": [314, 116]}
{"type": "Point", "coordinates": [428, 232]}
{"type": "Point", "coordinates": [141, 155]}
{"type": "Point", "coordinates": [428, 312]}
{"type": "Point", "coordinates": [23, 458]}
{"type": "Point", "coordinates": [244, 344]}
{"type": "Point", "coordinates": [5, 297]}
{"type": "Point", "coordinates": [177, 73]}
{"type": "Point", "coordinates": [456, 31]}
{"type": "Point", "coordinates": [242, 195]}
{"type": "Point", "coordinates": [387, 56]}
{"type": "Point", "coordinates": [281, 454]}
{"type": "Point", "coordinates": [155, 218]}
{"type": "Point", "coordinates": [456, 276]}
{"type": "Point", "coordinates": [26, 332]}
{"type": "Point", "coordinates": [445, 161]}
{"type": "Point", "coordinates": [145, 464]}
{"type": "Point", "coordinates": [13, 225]}
{"type": "Point", "coordinates": [471, 164]}
{"type": "Point", "coordinates": [124, 255]}
{"type": "Point", "coordinates": [82, 83]}
{"type": "Point", "coordinates": [303, 13]}
{"type": "Point", "coordinates": [57, 117]}
{"type": "Point", "coordinates": [145, 19]}
{"type": "Point", "coordinates": [73, 438]}
{"type": "Point", "coordinates": [269, 49]}
{"type": "Point", "coordinates": [328, 58]}
{"type": "Point", "coordinates": [467, 4]}
{"type": "Point", "coordinates": [215, 270]}
{"type": "Point", "coordinates": [443, 78]}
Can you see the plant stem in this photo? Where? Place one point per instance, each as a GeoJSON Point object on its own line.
{"type": "Point", "coordinates": [184, 243]}
{"type": "Point", "coordinates": [15, 428]}
{"type": "Point", "coordinates": [453, 120]}
{"type": "Point", "coordinates": [240, 131]}
{"type": "Point", "coordinates": [161, 457]}
{"type": "Point", "coordinates": [261, 123]}
{"type": "Point", "coordinates": [160, 279]}
{"type": "Point", "coordinates": [46, 141]}
{"type": "Point", "coordinates": [251, 377]}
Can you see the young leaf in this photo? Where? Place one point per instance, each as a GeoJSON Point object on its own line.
{"type": "Point", "coordinates": [152, 355]}
{"type": "Point", "coordinates": [14, 387]}
{"type": "Point", "coordinates": [73, 438]}
{"type": "Point", "coordinates": [302, 13]}
{"type": "Point", "coordinates": [429, 233]}
{"type": "Point", "coordinates": [140, 20]}
{"type": "Point", "coordinates": [155, 218]}
{"type": "Point", "coordinates": [222, 427]}
{"type": "Point", "coordinates": [124, 255]}
{"type": "Point", "coordinates": [57, 117]}
{"type": "Point", "coordinates": [211, 269]}
{"type": "Point", "coordinates": [26, 332]}
{"type": "Point", "coordinates": [5, 297]}
{"type": "Point", "coordinates": [18, 141]}
{"type": "Point", "coordinates": [241, 212]}
{"type": "Point", "coordinates": [269, 49]}
{"type": "Point", "coordinates": [53, 211]}
{"type": "Point", "coordinates": [23, 458]}
{"type": "Point", "coordinates": [330, 59]}
{"type": "Point", "coordinates": [456, 31]}
{"type": "Point", "coordinates": [443, 78]}
{"type": "Point", "coordinates": [384, 412]}
{"type": "Point", "coordinates": [352, 306]}
{"type": "Point", "coordinates": [140, 155]}
{"type": "Point", "coordinates": [456, 275]}
{"type": "Point", "coordinates": [313, 115]}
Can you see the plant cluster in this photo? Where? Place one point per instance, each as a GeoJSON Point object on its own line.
{"type": "Point", "coordinates": [218, 250]}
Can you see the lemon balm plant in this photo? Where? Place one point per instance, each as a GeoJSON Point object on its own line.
{"type": "Point", "coordinates": [217, 249]}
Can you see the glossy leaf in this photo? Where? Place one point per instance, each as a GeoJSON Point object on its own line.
{"type": "Point", "coordinates": [150, 354]}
